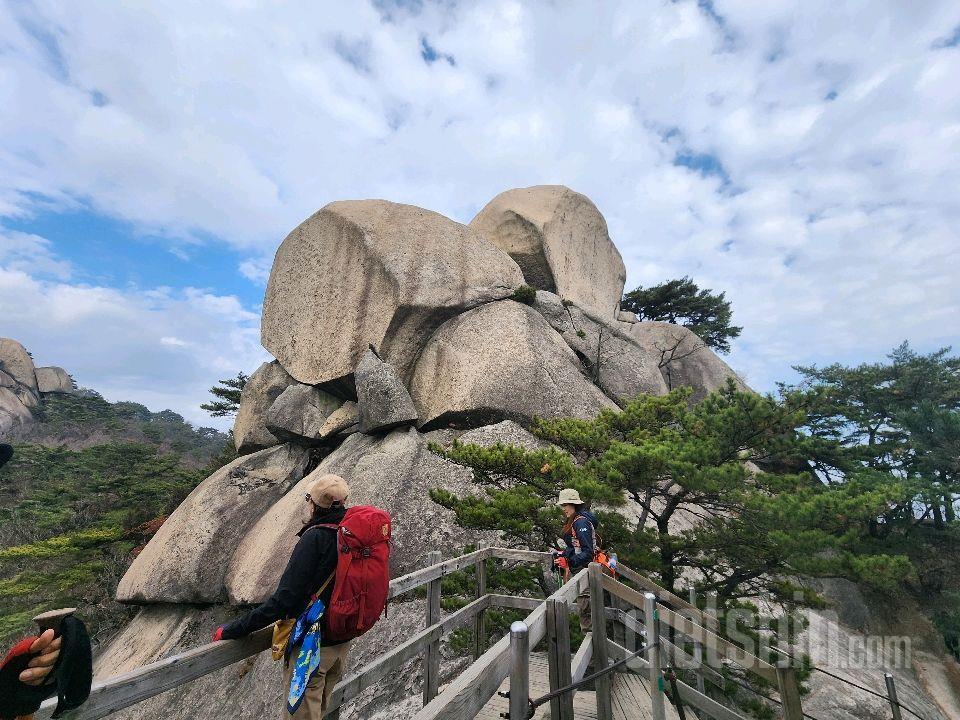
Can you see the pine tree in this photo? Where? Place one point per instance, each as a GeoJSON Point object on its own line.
{"type": "Point", "coordinates": [901, 420]}
{"type": "Point", "coordinates": [227, 393]}
{"type": "Point", "coordinates": [681, 302]}
{"type": "Point", "coordinates": [722, 491]}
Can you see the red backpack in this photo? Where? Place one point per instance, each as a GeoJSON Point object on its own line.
{"type": "Point", "coordinates": [363, 573]}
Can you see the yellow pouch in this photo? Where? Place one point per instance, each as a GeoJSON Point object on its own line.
{"type": "Point", "coordinates": [281, 635]}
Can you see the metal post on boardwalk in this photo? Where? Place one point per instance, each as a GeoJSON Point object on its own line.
{"type": "Point", "coordinates": [431, 670]}
{"type": "Point", "coordinates": [519, 671]}
{"type": "Point", "coordinates": [892, 696]}
{"type": "Point", "coordinates": [480, 622]}
{"type": "Point", "coordinates": [651, 617]}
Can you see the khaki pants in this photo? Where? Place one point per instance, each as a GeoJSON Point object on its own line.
{"type": "Point", "coordinates": [333, 661]}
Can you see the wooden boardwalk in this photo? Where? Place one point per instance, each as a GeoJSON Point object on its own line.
{"type": "Point", "coordinates": [631, 697]}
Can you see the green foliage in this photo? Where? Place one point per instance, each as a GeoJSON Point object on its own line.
{"type": "Point", "coordinates": [227, 394]}
{"type": "Point", "coordinates": [69, 520]}
{"type": "Point", "coordinates": [753, 527]}
{"type": "Point", "coordinates": [681, 302]}
{"type": "Point", "coordinates": [86, 417]}
{"type": "Point", "coordinates": [524, 294]}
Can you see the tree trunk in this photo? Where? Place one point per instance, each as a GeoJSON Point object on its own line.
{"type": "Point", "coordinates": [937, 515]}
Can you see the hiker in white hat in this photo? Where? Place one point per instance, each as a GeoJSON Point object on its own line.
{"type": "Point", "coordinates": [580, 537]}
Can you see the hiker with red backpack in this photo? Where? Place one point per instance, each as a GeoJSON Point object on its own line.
{"type": "Point", "coordinates": [333, 590]}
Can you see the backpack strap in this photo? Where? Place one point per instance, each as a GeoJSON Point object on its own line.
{"type": "Point", "coordinates": [326, 526]}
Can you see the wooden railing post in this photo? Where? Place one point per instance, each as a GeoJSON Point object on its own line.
{"type": "Point", "coordinates": [789, 693]}
{"type": "Point", "coordinates": [431, 664]}
{"type": "Point", "coordinates": [697, 646]}
{"type": "Point", "coordinates": [599, 626]}
{"type": "Point", "coordinates": [651, 618]}
{"type": "Point", "coordinates": [480, 624]}
{"type": "Point", "coordinates": [519, 671]}
{"type": "Point", "coordinates": [558, 656]}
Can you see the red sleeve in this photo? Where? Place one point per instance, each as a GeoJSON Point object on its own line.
{"type": "Point", "coordinates": [21, 648]}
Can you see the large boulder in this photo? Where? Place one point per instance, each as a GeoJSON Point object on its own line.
{"type": "Point", "coordinates": [500, 361]}
{"type": "Point", "coordinates": [367, 272]}
{"type": "Point", "coordinates": [684, 359]}
{"type": "Point", "coordinates": [186, 561]}
{"type": "Point", "coordinates": [16, 362]}
{"type": "Point", "coordinates": [560, 240]}
{"type": "Point", "coordinates": [12, 410]}
{"type": "Point", "coordinates": [261, 391]}
{"type": "Point", "coordinates": [383, 398]}
{"type": "Point", "coordinates": [54, 380]}
{"type": "Point", "coordinates": [395, 472]}
{"type": "Point", "coordinates": [300, 412]}
{"type": "Point", "coordinates": [618, 364]}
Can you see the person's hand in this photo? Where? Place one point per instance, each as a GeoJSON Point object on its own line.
{"type": "Point", "coordinates": [47, 650]}
{"type": "Point", "coordinates": [561, 562]}
{"type": "Point", "coordinates": [217, 634]}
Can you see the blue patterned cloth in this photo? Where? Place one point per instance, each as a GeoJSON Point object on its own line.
{"type": "Point", "coordinates": [306, 634]}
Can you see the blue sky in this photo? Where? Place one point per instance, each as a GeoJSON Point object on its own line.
{"type": "Point", "coordinates": [799, 156]}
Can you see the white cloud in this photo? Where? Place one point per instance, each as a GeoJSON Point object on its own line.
{"type": "Point", "coordinates": [830, 218]}
{"type": "Point", "coordinates": [158, 347]}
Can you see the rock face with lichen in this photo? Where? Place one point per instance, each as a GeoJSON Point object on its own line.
{"type": "Point", "coordinates": [392, 327]}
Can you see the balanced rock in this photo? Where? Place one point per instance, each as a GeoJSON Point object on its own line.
{"type": "Point", "coordinates": [300, 412]}
{"type": "Point", "coordinates": [395, 472]}
{"type": "Point", "coordinates": [12, 410]}
{"type": "Point", "coordinates": [367, 272]}
{"type": "Point", "coordinates": [560, 241]}
{"type": "Point", "coordinates": [262, 389]}
{"type": "Point", "coordinates": [343, 421]}
{"type": "Point", "coordinates": [617, 363]}
{"type": "Point", "coordinates": [54, 380]}
{"type": "Point", "coordinates": [187, 559]}
{"type": "Point", "coordinates": [500, 361]}
{"type": "Point", "coordinates": [383, 398]}
{"type": "Point", "coordinates": [684, 359]}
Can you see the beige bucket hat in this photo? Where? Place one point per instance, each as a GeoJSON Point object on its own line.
{"type": "Point", "coordinates": [569, 496]}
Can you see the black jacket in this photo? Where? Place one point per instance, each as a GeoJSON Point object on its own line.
{"type": "Point", "coordinates": [313, 560]}
{"type": "Point", "coordinates": [582, 542]}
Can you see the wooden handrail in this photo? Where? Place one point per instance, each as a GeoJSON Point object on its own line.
{"type": "Point", "coordinates": [470, 691]}
{"type": "Point", "coordinates": [466, 694]}
{"type": "Point", "coordinates": [696, 632]}
{"type": "Point", "coordinates": [689, 695]}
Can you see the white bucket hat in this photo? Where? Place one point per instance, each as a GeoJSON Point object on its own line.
{"type": "Point", "coordinates": [569, 496]}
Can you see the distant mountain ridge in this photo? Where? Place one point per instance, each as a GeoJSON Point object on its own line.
{"type": "Point", "coordinates": [89, 484]}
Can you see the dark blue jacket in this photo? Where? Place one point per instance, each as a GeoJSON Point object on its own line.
{"type": "Point", "coordinates": [582, 541]}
